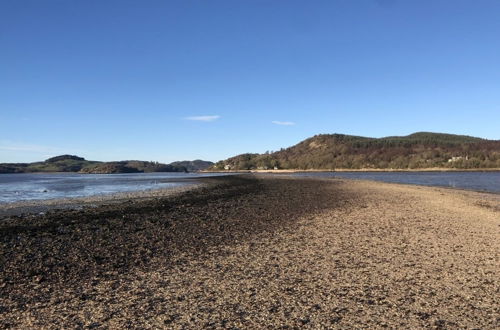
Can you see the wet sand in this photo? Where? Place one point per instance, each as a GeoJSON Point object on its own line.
{"type": "Point", "coordinates": [259, 252]}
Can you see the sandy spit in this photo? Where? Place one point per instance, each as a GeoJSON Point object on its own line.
{"type": "Point", "coordinates": [253, 252]}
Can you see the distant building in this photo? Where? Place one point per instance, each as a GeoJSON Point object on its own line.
{"type": "Point", "coordinates": [227, 167]}
{"type": "Point", "coordinates": [457, 158]}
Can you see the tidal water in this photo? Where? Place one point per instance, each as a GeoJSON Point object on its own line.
{"type": "Point", "coordinates": [479, 181]}
{"type": "Point", "coordinates": [20, 187]}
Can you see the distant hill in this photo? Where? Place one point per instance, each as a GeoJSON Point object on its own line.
{"type": "Point", "coordinates": [63, 163]}
{"type": "Point", "coordinates": [64, 157]}
{"type": "Point", "coordinates": [131, 166]}
{"type": "Point", "coordinates": [194, 165]}
{"type": "Point", "coordinates": [339, 151]}
{"type": "Point", "coordinates": [71, 163]}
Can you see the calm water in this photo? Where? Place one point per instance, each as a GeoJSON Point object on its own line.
{"type": "Point", "coordinates": [482, 181]}
{"type": "Point", "coordinates": [17, 187]}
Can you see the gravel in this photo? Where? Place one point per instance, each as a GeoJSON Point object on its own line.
{"type": "Point", "coordinates": [256, 251]}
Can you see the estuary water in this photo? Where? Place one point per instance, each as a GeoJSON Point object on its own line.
{"type": "Point", "coordinates": [22, 187]}
{"type": "Point", "coordinates": [40, 186]}
{"type": "Point", "coordinates": [479, 181]}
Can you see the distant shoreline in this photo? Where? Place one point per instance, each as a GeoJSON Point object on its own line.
{"type": "Point", "coordinates": [85, 173]}
{"type": "Point", "coordinates": [432, 169]}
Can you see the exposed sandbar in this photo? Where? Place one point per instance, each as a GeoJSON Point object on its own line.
{"type": "Point", "coordinates": [259, 252]}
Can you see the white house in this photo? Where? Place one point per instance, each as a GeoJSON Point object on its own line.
{"type": "Point", "coordinates": [457, 158]}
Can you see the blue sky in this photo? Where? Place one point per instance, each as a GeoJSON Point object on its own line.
{"type": "Point", "coordinates": [173, 80]}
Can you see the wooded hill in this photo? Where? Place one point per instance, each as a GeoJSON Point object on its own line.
{"type": "Point", "coordinates": [194, 165]}
{"type": "Point", "coordinates": [69, 163]}
{"type": "Point", "coordinates": [339, 151]}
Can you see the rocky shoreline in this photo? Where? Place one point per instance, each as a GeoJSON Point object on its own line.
{"type": "Point", "coordinates": [255, 252]}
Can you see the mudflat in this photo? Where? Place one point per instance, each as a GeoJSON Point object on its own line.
{"type": "Point", "coordinates": [256, 251]}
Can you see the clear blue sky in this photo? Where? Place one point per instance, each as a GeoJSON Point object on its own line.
{"type": "Point", "coordinates": [172, 80]}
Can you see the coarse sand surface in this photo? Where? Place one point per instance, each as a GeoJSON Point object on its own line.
{"type": "Point", "coordinates": [258, 251]}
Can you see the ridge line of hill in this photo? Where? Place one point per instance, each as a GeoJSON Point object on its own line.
{"type": "Point", "coordinates": [71, 163]}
